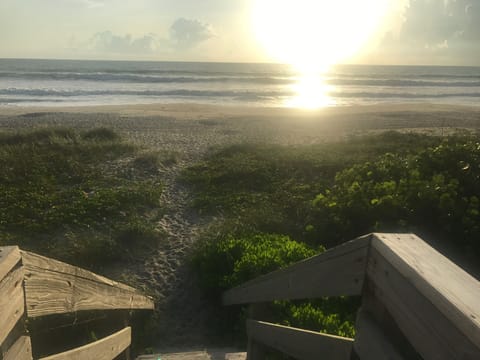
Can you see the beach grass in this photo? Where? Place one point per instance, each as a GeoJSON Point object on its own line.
{"type": "Point", "coordinates": [320, 196]}
{"type": "Point", "coordinates": [269, 188]}
{"type": "Point", "coordinates": [76, 195]}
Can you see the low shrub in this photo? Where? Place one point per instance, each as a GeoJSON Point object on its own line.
{"type": "Point", "coordinates": [222, 264]}
{"type": "Point", "coordinates": [434, 193]}
{"type": "Point", "coordinates": [62, 194]}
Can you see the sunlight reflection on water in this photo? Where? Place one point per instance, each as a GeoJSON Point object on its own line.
{"type": "Point", "coordinates": [311, 92]}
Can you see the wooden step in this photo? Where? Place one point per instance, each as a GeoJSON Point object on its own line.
{"type": "Point", "coordinates": [209, 354]}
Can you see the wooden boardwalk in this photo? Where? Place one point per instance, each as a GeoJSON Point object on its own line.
{"type": "Point", "coordinates": [416, 304]}
{"type": "Point", "coordinates": [34, 286]}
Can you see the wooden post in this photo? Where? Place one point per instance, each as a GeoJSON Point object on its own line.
{"type": "Point", "coordinates": [256, 350]}
{"type": "Point", "coordinates": [378, 335]}
{"type": "Point", "coordinates": [126, 323]}
{"type": "Point", "coordinates": [14, 342]}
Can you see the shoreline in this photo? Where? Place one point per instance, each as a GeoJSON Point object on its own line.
{"type": "Point", "coordinates": [199, 111]}
{"type": "Point", "coordinates": [193, 129]}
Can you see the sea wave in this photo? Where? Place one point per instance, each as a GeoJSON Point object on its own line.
{"type": "Point", "coordinates": [384, 95]}
{"type": "Point", "coordinates": [179, 92]}
{"type": "Point", "coordinates": [139, 78]}
{"type": "Point", "coordinates": [236, 94]}
{"type": "Point", "coordinates": [97, 82]}
{"type": "Point", "coordinates": [233, 79]}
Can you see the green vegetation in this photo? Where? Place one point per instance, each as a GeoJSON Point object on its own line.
{"type": "Point", "coordinates": [75, 196]}
{"type": "Point", "coordinates": [326, 194]}
{"type": "Point", "coordinates": [434, 193]}
{"type": "Point", "coordinates": [89, 198]}
{"type": "Point", "coordinates": [269, 189]}
{"type": "Point", "coordinates": [233, 261]}
{"type": "Point", "coordinates": [152, 161]}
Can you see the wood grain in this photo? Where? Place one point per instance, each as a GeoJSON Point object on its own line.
{"type": "Point", "coordinates": [53, 287]}
{"type": "Point", "coordinates": [336, 272]}
{"type": "Point", "coordinates": [12, 303]}
{"type": "Point", "coordinates": [20, 350]}
{"type": "Point", "coordinates": [107, 348]}
{"type": "Point", "coordinates": [431, 332]}
{"type": "Point", "coordinates": [34, 260]}
{"type": "Point", "coordinates": [370, 342]}
{"type": "Point", "coordinates": [452, 290]}
{"type": "Point", "coordinates": [9, 257]}
{"type": "Point", "coordinates": [298, 343]}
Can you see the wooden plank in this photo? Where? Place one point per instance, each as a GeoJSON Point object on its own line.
{"type": "Point", "coordinates": [20, 350]}
{"type": "Point", "coordinates": [431, 332]}
{"type": "Point", "coordinates": [107, 348]}
{"type": "Point", "coordinates": [298, 343]}
{"type": "Point", "coordinates": [336, 272]}
{"type": "Point", "coordinates": [9, 257]}
{"type": "Point", "coordinates": [452, 290]}
{"type": "Point", "coordinates": [370, 342]}
{"type": "Point", "coordinates": [53, 287]}
{"type": "Point", "coordinates": [38, 261]}
{"type": "Point", "coordinates": [12, 303]}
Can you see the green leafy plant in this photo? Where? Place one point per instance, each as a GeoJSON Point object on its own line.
{"type": "Point", "coordinates": [68, 194]}
{"type": "Point", "coordinates": [434, 193]}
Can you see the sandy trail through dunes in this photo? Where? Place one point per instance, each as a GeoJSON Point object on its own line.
{"type": "Point", "coordinates": [191, 131]}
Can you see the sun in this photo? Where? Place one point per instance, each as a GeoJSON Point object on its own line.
{"type": "Point", "coordinates": [315, 34]}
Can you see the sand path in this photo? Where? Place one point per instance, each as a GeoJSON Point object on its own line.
{"type": "Point", "coordinates": [182, 313]}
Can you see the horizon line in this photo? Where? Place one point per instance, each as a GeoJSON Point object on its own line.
{"type": "Point", "coordinates": [230, 62]}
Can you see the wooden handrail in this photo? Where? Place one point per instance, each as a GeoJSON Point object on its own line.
{"type": "Point", "coordinates": [54, 287]}
{"type": "Point", "coordinates": [408, 289]}
{"type": "Point", "coordinates": [339, 271]}
{"type": "Point", "coordinates": [104, 349]}
{"type": "Point", "coordinates": [33, 286]}
{"type": "Point", "coordinates": [298, 343]}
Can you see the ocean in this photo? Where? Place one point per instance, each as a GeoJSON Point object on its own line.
{"type": "Point", "coordinates": [83, 83]}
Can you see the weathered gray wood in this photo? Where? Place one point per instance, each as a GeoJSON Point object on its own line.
{"type": "Point", "coordinates": [336, 272]}
{"type": "Point", "coordinates": [9, 257]}
{"type": "Point", "coordinates": [370, 342]}
{"type": "Point", "coordinates": [430, 298]}
{"type": "Point", "coordinates": [38, 261]}
{"type": "Point", "coordinates": [105, 349]}
{"type": "Point", "coordinates": [452, 290]}
{"type": "Point", "coordinates": [53, 287]}
{"type": "Point", "coordinates": [298, 343]}
{"type": "Point", "coordinates": [20, 350]}
{"type": "Point", "coordinates": [12, 303]}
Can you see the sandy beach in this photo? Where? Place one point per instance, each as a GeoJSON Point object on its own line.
{"type": "Point", "coordinates": [191, 131]}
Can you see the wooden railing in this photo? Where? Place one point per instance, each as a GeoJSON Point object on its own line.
{"type": "Point", "coordinates": [33, 286]}
{"type": "Point", "coordinates": [416, 304]}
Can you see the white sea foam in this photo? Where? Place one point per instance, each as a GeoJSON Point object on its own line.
{"type": "Point", "coordinates": [60, 82]}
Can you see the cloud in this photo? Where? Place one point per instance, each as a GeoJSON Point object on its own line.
{"type": "Point", "coordinates": [434, 21]}
{"type": "Point", "coordinates": [440, 46]}
{"type": "Point", "coordinates": [107, 42]}
{"type": "Point", "coordinates": [472, 28]}
{"type": "Point", "coordinates": [185, 33]}
{"type": "Point", "coordinates": [91, 4]}
{"type": "Point", "coordinates": [434, 31]}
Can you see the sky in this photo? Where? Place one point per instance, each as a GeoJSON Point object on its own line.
{"type": "Point", "coordinates": [423, 32]}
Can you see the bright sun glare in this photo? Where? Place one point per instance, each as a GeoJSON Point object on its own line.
{"type": "Point", "coordinates": [313, 35]}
